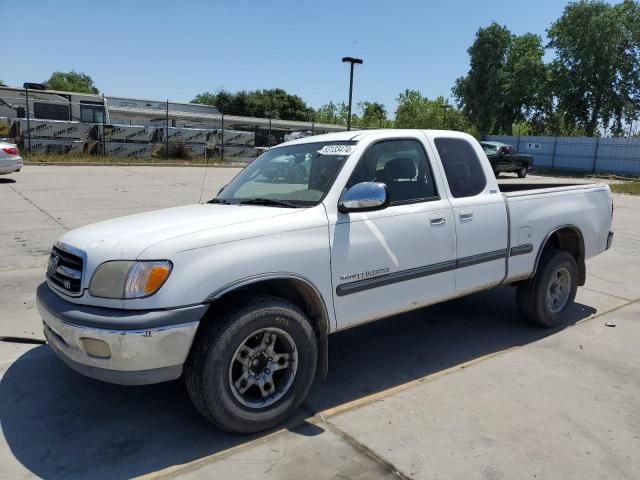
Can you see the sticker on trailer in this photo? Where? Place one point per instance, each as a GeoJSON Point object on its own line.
{"type": "Point", "coordinates": [534, 146]}
{"type": "Point", "coordinates": [340, 150]}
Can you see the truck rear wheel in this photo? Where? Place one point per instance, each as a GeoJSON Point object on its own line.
{"type": "Point", "coordinates": [543, 298]}
{"type": "Point", "coordinates": [249, 371]}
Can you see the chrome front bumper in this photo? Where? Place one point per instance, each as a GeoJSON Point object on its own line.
{"type": "Point", "coordinates": [119, 346]}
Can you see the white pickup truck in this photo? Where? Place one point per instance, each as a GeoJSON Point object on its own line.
{"type": "Point", "coordinates": [239, 295]}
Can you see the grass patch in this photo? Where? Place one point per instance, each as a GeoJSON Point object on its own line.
{"type": "Point", "coordinates": [632, 188]}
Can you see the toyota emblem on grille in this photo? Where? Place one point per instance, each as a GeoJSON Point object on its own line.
{"type": "Point", "coordinates": [53, 263]}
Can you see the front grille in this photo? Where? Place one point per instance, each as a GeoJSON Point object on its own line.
{"type": "Point", "coordinates": [64, 271]}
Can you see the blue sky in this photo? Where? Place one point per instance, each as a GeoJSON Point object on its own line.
{"type": "Point", "coordinates": [176, 49]}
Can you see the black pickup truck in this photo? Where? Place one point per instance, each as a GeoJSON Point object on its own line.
{"type": "Point", "coordinates": [503, 158]}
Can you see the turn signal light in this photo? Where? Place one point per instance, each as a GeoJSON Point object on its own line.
{"type": "Point", "coordinates": [156, 278]}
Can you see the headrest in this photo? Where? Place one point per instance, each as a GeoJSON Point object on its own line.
{"type": "Point", "coordinates": [400, 168]}
{"type": "Point", "coordinates": [459, 170]}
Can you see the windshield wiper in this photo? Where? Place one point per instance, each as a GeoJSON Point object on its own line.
{"type": "Point", "coordinates": [220, 200]}
{"type": "Point", "coordinates": [269, 202]}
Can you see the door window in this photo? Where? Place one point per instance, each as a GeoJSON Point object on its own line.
{"type": "Point", "coordinates": [91, 113]}
{"type": "Point", "coordinates": [461, 166]}
{"type": "Point", "coordinates": [400, 164]}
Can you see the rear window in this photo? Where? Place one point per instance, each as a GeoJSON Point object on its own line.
{"type": "Point", "coordinates": [461, 166]}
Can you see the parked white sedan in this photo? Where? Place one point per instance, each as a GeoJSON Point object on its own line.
{"type": "Point", "coordinates": [10, 159]}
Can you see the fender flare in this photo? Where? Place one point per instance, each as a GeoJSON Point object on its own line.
{"type": "Point", "coordinates": [323, 329]}
{"type": "Point", "coordinates": [581, 251]}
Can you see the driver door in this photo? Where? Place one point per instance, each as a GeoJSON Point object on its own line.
{"type": "Point", "coordinates": [399, 258]}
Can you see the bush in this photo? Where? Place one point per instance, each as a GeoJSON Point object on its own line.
{"type": "Point", "coordinates": [178, 150]}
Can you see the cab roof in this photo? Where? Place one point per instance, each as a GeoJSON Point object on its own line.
{"type": "Point", "coordinates": [356, 135]}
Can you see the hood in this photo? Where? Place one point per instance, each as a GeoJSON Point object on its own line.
{"type": "Point", "coordinates": [127, 237]}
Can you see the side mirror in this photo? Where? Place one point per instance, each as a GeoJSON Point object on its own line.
{"type": "Point", "coordinates": [364, 197]}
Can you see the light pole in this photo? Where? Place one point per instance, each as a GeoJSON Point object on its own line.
{"type": "Point", "coordinates": [446, 107]}
{"type": "Point", "coordinates": [352, 61]}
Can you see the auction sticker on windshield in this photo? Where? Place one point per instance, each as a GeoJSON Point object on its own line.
{"type": "Point", "coordinates": [337, 150]}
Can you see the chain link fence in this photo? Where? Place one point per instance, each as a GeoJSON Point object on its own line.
{"type": "Point", "coordinates": [43, 122]}
{"type": "Point", "coordinates": [581, 154]}
{"type": "Point", "coordinates": [47, 123]}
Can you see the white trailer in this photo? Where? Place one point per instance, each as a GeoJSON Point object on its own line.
{"type": "Point", "coordinates": [5, 127]}
{"type": "Point", "coordinates": [52, 105]}
{"type": "Point", "coordinates": [21, 128]}
{"type": "Point", "coordinates": [187, 135]}
{"type": "Point", "coordinates": [48, 146]}
{"type": "Point", "coordinates": [196, 149]}
{"type": "Point", "coordinates": [232, 137]}
{"type": "Point", "coordinates": [236, 153]}
{"type": "Point", "coordinates": [132, 133]}
{"type": "Point", "coordinates": [133, 150]}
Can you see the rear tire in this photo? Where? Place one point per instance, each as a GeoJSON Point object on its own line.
{"type": "Point", "coordinates": [543, 299]}
{"type": "Point", "coordinates": [522, 172]}
{"type": "Point", "coordinates": [249, 370]}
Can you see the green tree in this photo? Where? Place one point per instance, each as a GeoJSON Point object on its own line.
{"type": "Point", "coordinates": [71, 82]}
{"type": "Point", "coordinates": [417, 111]}
{"type": "Point", "coordinates": [480, 91]}
{"type": "Point", "coordinates": [596, 72]}
{"type": "Point", "coordinates": [506, 80]}
{"type": "Point", "coordinates": [275, 102]}
{"type": "Point", "coordinates": [374, 114]}
{"type": "Point", "coordinates": [328, 113]}
{"type": "Point", "coordinates": [524, 83]}
{"type": "Point", "coordinates": [2, 83]}
{"type": "Point", "coordinates": [335, 113]}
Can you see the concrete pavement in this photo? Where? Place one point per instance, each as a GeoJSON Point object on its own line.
{"type": "Point", "coordinates": [457, 390]}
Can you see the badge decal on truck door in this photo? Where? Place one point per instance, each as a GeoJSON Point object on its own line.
{"type": "Point", "coordinates": [376, 272]}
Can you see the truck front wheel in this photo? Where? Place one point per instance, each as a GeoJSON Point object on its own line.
{"type": "Point", "coordinates": [543, 298]}
{"type": "Point", "coordinates": [250, 370]}
{"type": "Point", "coordinates": [522, 172]}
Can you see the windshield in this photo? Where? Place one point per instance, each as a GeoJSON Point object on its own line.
{"type": "Point", "coordinates": [288, 176]}
{"type": "Point", "coordinates": [489, 147]}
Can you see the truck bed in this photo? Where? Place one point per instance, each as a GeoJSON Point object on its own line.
{"type": "Point", "coordinates": [535, 209]}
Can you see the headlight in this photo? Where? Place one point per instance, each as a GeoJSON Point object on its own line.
{"type": "Point", "coordinates": [126, 279]}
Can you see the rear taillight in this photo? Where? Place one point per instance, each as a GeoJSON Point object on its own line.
{"type": "Point", "coordinates": [11, 150]}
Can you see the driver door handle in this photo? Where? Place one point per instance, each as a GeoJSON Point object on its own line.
{"type": "Point", "coordinates": [437, 220]}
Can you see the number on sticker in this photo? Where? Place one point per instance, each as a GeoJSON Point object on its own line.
{"type": "Point", "coordinates": [337, 150]}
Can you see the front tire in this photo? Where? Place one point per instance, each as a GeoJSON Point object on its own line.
{"type": "Point", "coordinates": [543, 299]}
{"type": "Point", "coordinates": [522, 172]}
{"type": "Point", "coordinates": [250, 370]}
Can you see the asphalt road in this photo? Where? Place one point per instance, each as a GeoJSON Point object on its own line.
{"type": "Point", "coordinates": [461, 390]}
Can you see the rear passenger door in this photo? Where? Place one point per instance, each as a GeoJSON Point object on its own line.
{"type": "Point", "coordinates": [479, 213]}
